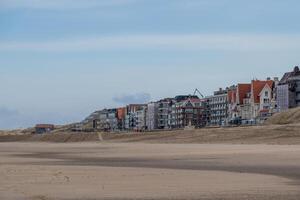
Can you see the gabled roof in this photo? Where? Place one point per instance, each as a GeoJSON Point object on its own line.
{"type": "Point", "coordinates": [257, 86]}
{"type": "Point", "coordinates": [242, 90]}
{"type": "Point", "coordinates": [190, 100]}
{"type": "Point", "coordinates": [266, 86]}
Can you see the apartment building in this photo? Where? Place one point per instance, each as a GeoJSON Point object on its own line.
{"type": "Point", "coordinates": [218, 107]}
{"type": "Point", "coordinates": [141, 124]}
{"type": "Point", "coordinates": [151, 116]}
{"type": "Point", "coordinates": [108, 120]}
{"type": "Point", "coordinates": [262, 102]}
{"type": "Point", "coordinates": [164, 110]}
{"type": "Point", "coordinates": [188, 112]}
{"type": "Point", "coordinates": [239, 107]}
{"type": "Point", "coordinates": [131, 117]}
{"type": "Point", "coordinates": [288, 90]}
{"type": "Point", "coordinates": [121, 113]}
{"type": "Point", "coordinates": [232, 103]}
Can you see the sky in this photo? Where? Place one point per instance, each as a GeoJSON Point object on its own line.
{"type": "Point", "coordinates": [60, 60]}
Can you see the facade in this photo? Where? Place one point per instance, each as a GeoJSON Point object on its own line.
{"type": "Point", "coordinates": [141, 119]}
{"type": "Point", "coordinates": [243, 102]}
{"type": "Point", "coordinates": [44, 128]}
{"type": "Point", "coordinates": [261, 99]}
{"type": "Point", "coordinates": [218, 107]}
{"type": "Point", "coordinates": [129, 123]}
{"type": "Point", "coordinates": [288, 90]}
{"type": "Point", "coordinates": [189, 112]}
{"type": "Point", "coordinates": [232, 104]}
{"type": "Point", "coordinates": [121, 113]}
{"type": "Point", "coordinates": [152, 116]}
{"type": "Point", "coordinates": [251, 103]}
{"type": "Point", "coordinates": [108, 120]}
{"type": "Point", "coordinates": [282, 99]}
{"type": "Point", "coordinates": [131, 115]}
{"type": "Point", "coordinates": [164, 110]}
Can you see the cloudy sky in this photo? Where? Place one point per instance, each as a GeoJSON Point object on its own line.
{"type": "Point", "coordinates": [62, 59]}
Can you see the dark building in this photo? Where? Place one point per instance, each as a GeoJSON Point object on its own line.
{"type": "Point", "coordinates": [189, 112]}
{"type": "Point", "coordinates": [288, 90]}
{"type": "Point", "coordinates": [44, 128]}
{"type": "Point", "coordinates": [164, 108]}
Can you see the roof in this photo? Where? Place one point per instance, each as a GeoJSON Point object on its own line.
{"type": "Point", "coordinates": [285, 77]}
{"type": "Point", "coordinates": [136, 105]}
{"type": "Point", "coordinates": [257, 86]}
{"type": "Point", "coordinates": [242, 90]}
{"type": "Point", "coordinates": [185, 97]}
{"type": "Point", "coordinates": [193, 100]}
{"type": "Point", "coordinates": [288, 75]}
{"type": "Point", "coordinates": [183, 103]}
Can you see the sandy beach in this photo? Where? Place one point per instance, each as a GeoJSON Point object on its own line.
{"type": "Point", "coordinates": [95, 170]}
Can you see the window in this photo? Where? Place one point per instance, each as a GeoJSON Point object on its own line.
{"type": "Point", "coordinates": [266, 101]}
{"type": "Point", "coordinates": [266, 93]}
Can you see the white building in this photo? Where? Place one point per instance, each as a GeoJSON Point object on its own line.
{"type": "Point", "coordinates": [151, 117]}
{"type": "Point", "coordinates": [218, 107]}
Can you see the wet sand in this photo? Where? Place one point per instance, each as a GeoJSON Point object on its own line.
{"type": "Point", "coordinates": [149, 171]}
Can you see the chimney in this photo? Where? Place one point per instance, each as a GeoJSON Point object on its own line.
{"type": "Point", "coordinates": [276, 79]}
{"type": "Point", "coordinates": [268, 79]}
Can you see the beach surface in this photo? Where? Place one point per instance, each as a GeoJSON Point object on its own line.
{"type": "Point", "coordinates": [105, 170]}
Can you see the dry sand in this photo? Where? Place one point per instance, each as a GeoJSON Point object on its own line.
{"type": "Point", "coordinates": [270, 134]}
{"type": "Point", "coordinates": [87, 171]}
{"type": "Point", "coordinates": [290, 116]}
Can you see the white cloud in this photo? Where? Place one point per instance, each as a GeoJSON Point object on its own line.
{"type": "Point", "coordinates": [61, 4]}
{"type": "Point", "coordinates": [192, 42]}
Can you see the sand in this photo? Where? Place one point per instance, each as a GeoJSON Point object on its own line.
{"type": "Point", "coordinates": [104, 170]}
{"type": "Point", "coordinates": [268, 134]}
{"type": "Point", "coordinates": [290, 116]}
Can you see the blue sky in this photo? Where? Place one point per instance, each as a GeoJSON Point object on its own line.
{"type": "Point", "coordinates": [62, 59]}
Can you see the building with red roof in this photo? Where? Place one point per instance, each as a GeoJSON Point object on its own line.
{"type": "Point", "coordinates": [251, 101]}
{"type": "Point", "coordinates": [243, 96]}
{"type": "Point", "coordinates": [262, 98]}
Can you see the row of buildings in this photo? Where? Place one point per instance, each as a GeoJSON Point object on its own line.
{"type": "Point", "coordinates": [243, 103]}
{"type": "Point", "coordinates": [169, 113]}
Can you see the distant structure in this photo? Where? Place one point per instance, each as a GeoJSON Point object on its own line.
{"type": "Point", "coordinates": [247, 103]}
{"type": "Point", "coordinates": [188, 112]}
{"type": "Point", "coordinates": [152, 116]}
{"type": "Point", "coordinates": [288, 90]}
{"type": "Point", "coordinates": [252, 103]}
{"type": "Point", "coordinates": [44, 128]}
{"type": "Point", "coordinates": [218, 107]}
